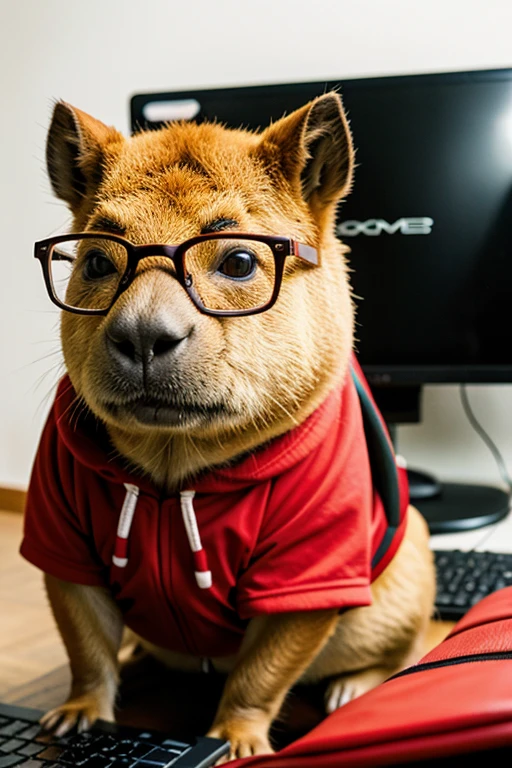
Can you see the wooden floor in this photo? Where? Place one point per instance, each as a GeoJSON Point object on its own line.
{"type": "Point", "coordinates": [30, 645]}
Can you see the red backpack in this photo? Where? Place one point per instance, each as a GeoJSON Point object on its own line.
{"type": "Point", "coordinates": [456, 701]}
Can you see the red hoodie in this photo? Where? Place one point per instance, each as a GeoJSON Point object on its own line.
{"type": "Point", "coordinates": [295, 526]}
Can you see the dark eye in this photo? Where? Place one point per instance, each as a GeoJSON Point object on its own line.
{"type": "Point", "coordinates": [238, 264]}
{"type": "Point", "coordinates": [97, 265]}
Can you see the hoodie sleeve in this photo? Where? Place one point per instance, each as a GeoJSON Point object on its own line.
{"type": "Point", "coordinates": [314, 547]}
{"type": "Point", "coordinates": [55, 539]}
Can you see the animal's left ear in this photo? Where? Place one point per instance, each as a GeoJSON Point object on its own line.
{"type": "Point", "coordinates": [313, 150]}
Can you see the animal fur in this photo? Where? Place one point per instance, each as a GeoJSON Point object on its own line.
{"type": "Point", "coordinates": [265, 374]}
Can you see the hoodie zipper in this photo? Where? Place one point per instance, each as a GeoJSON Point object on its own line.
{"type": "Point", "coordinates": [491, 656]}
{"type": "Point", "coordinates": [166, 583]}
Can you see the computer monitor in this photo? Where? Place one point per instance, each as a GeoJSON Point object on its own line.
{"type": "Point", "coordinates": [429, 224]}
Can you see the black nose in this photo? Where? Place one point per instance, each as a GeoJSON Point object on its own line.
{"type": "Point", "coordinates": [135, 342]}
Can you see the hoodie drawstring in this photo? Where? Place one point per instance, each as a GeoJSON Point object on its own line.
{"type": "Point", "coordinates": [202, 572]}
{"type": "Point", "coordinates": [120, 557]}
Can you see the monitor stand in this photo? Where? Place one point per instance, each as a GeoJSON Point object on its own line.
{"type": "Point", "coordinates": [447, 507]}
{"type": "Point", "coordinates": [455, 507]}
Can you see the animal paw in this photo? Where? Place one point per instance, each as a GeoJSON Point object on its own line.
{"type": "Point", "coordinates": [80, 712]}
{"type": "Point", "coordinates": [246, 738]}
{"type": "Point", "coordinates": [344, 688]}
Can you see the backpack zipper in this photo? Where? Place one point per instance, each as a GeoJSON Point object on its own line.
{"type": "Point", "coordinates": [491, 656]}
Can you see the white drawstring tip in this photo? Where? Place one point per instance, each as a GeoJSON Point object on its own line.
{"type": "Point", "coordinates": [120, 562]}
{"type": "Point", "coordinates": [204, 579]}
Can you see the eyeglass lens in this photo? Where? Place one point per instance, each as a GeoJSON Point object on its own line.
{"type": "Point", "coordinates": [85, 274]}
{"type": "Point", "coordinates": [231, 274]}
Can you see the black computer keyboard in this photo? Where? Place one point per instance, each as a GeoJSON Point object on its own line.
{"type": "Point", "coordinates": [464, 578]}
{"type": "Point", "coordinates": [23, 745]}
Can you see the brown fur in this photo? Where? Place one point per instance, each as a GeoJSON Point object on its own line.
{"type": "Point", "coordinates": [266, 373]}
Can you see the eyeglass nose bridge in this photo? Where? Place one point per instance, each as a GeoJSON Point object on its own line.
{"type": "Point", "coordinates": [144, 251]}
{"type": "Point", "coordinates": [140, 252]}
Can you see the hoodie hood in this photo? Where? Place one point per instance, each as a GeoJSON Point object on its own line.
{"type": "Point", "coordinates": [87, 439]}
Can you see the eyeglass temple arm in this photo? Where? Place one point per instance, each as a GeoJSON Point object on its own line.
{"type": "Point", "coordinates": [305, 252]}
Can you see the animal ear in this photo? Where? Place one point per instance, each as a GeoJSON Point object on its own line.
{"type": "Point", "coordinates": [313, 148]}
{"type": "Point", "coordinates": [75, 154]}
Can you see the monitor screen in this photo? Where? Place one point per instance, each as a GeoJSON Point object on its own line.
{"type": "Point", "coordinates": [429, 220]}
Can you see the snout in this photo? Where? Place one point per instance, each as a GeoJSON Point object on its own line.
{"type": "Point", "coordinates": [144, 352]}
{"type": "Point", "coordinates": [147, 330]}
{"type": "Point", "coordinates": [137, 345]}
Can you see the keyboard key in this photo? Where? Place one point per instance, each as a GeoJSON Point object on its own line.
{"type": "Point", "coordinates": [75, 757]}
{"type": "Point", "coordinates": [10, 746]}
{"type": "Point", "coordinates": [123, 762]}
{"type": "Point", "coordinates": [99, 761]}
{"type": "Point", "coordinates": [29, 750]}
{"type": "Point", "coordinates": [7, 760]}
{"type": "Point", "coordinates": [140, 750]}
{"type": "Point", "coordinates": [51, 753]}
{"type": "Point", "coordinates": [32, 764]}
{"type": "Point", "coordinates": [443, 599]}
{"type": "Point", "coordinates": [159, 757]}
{"type": "Point", "coordinates": [122, 748]}
{"type": "Point", "coordinates": [476, 598]}
{"type": "Point", "coordinates": [175, 744]}
{"type": "Point", "coordinates": [460, 600]}
{"type": "Point", "coordinates": [105, 744]}
{"type": "Point", "coordinates": [80, 739]}
{"type": "Point", "coordinates": [11, 729]}
{"type": "Point", "coordinates": [29, 733]}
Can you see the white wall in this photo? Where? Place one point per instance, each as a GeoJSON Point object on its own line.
{"type": "Point", "coordinates": [96, 53]}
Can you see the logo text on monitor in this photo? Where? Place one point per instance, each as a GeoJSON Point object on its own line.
{"type": "Point", "coordinates": [419, 225]}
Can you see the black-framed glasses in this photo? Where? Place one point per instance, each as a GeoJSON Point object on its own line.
{"type": "Point", "coordinates": [224, 273]}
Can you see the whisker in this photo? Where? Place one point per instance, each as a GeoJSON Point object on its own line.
{"type": "Point", "coordinates": [50, 394]}
{"type": "Point", "coordinates": [190, 442]}
{"type": "Point", "coordinates": [59, 366]}
{"type": "Point", "coordinates": [80, 407]}
{"type": "Point", "coordinates": [166, 447]}
{"type": "Point", "coordinates": [38, 360]}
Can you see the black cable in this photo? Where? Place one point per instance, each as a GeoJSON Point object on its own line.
{"type": "Point", "coordinates": [502, 468]}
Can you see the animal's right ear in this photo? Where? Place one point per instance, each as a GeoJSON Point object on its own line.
{"type": "Point", "coordinates": [312, 149]}
{"type": "Point", "coordinates": [75, 154]}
